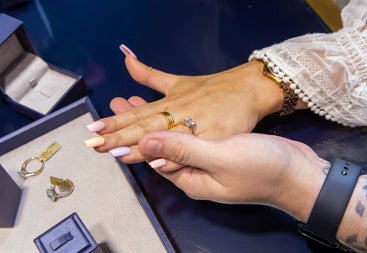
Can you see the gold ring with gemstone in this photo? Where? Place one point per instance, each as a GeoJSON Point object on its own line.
{"type": "Point", "coordinates": [24, 174]}
{"type": "Point", "coordinates": [42, 158]}
{"type": "Point", "coordinates": [188, 122]}
{"type": "Point", "coordinates": [60, 188]}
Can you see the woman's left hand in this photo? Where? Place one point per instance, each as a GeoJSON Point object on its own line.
{"type": "Point", "coordinates": [221, 104]}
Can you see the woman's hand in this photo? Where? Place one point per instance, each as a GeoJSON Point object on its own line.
{"type": "Point", "coordinates": [222, 104]}
{"type": "Point", "coordinates": [246, 168]}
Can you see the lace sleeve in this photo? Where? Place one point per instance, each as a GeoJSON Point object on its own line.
{"type": "Point", "coordinates": [328, 71]}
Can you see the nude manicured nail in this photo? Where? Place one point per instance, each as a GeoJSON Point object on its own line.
{"type": "Point", "coordinates": [94, 142]}
{"type": "Point", "coordinates": [127, 51]}
{"type": "Point", "coordinates": [96, 126]}
{"type": "Point", "coordinates": [155, 164]}
{"type": "Point", "coordinates": [121, 151]}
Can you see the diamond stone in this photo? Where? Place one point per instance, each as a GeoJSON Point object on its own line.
{"type": "Point", "coordinates": [189, 122]}
{"type": "Point", "coordinates": [51, 194]}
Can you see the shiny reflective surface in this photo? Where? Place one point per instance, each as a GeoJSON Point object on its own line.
{"type": "Point", "coordinates": [185, 37]}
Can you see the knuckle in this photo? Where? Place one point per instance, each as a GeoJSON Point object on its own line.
{"type": "Point", "coordinates": [144, 125]}
{"type": "Point", "coordinates": [111, 139]}
{"type": "Point", "coordinates": [178, 153]}
{"type": "Point", "coordinates": [136, 114]}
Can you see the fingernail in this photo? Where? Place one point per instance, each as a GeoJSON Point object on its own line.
{"type": "Point", "coordinates": [121, 151]}
{"type": "Point", "coordinates": [127, 51]}
{"type": "Point", "coordinates": [155, 164]}
{"type": "Point", "coordinates": [94, 142]}
{"type": "Point", "coordinates": [152, 147]}
{"type": "Point", "coordinates": [96, 126]}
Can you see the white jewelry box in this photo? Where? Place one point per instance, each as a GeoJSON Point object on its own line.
{"type": "Point", "coordinates": [30, 85]}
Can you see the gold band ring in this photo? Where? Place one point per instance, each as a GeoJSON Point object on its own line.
{"type": "Point", "coordinates": [169, 119]}
{"type": "Point", "coordinates": [188, 122]}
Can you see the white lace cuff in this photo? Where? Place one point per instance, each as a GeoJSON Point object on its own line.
{"type": "Point", "coordinates": [329, 71]}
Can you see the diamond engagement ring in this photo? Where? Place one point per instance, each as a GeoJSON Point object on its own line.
{"type": "Point", "coordinates": [42, 158]}
{"type": "Point", "coordinates": [60, 188]}
{"type": "Point", "coordinates": [188, 122]}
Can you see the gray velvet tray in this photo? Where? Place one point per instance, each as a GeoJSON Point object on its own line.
{"type": "Point", "coordinates": [106, 195]}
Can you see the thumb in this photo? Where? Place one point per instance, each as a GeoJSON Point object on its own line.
{"type": "Point", "coordinates": [180, 148]}
{"type": "Point", "coordinates": [143, 74]}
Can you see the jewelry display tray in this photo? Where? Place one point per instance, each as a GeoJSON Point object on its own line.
{"type": "Point", "coordinates": [106, 195]}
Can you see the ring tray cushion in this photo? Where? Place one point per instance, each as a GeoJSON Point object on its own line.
{"type": "Point", "coordinates": [31, 85]}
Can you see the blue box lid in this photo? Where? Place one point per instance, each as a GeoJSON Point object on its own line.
{"type": "Point", "coordinates": [68, 236]}
{"type": "Point", "coordinates": [10, 196]}
{"type": "Point", "coordinates": [9, 26]}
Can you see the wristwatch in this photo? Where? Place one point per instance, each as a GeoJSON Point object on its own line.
{"type": "Point", "coordinates": [330, 205]}
{"type": "Point", "coordinates": [289, 97]}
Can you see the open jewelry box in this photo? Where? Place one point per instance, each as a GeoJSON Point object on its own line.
{"type": "Point", "coordinates": [29, 84]}
{"type": "Point", "coordinates": [106, 194]}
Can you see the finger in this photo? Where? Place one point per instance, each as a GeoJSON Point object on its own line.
{"type": "Point", "coordinates": [133, 156]}
{"type": "Point", "coordinates": [169, 165]}
{"type": "Point", "coordinates": [128, 117]}
{"type": "Point", "coordinates": [127, 155]}
{"type": "Point", "coordinates": [152, 78]}
{"type": "Point", "coordinates": [181, 148]}
{"type": "Point", "coordinates": [137, 101]}
{"type": "Point", "coordinates": [130, 155]}
{"type": "Point", "coordinates": [119, 105]}
{"type": "Point", "coordinates": [164, 165]}
{"type": "Point", "coordinates": [131, 134]}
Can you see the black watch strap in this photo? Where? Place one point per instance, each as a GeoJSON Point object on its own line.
{"type": "Point", "coordinates": [329, 208]}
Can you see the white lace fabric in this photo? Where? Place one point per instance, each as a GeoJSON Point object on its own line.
{"type": "Point", "coordinates": [328, 71]}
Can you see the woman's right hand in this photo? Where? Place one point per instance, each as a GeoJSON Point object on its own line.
{"type": "Point", "coordinates": [246, 168]}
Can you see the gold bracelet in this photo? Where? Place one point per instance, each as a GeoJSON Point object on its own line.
{"type": "Point", "coordinates": [290, 98]}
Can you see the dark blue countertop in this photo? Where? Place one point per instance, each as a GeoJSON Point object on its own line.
{"type": "Point", "coordinates": [191, 38]}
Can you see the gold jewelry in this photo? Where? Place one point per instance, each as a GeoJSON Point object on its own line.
{"type": "Point", "coordinates": [290, 98]}
{"type": "Point", "coordinates": [169, 119]}
{"type": "Point", "coordinates": [188, 122]}
{"type": "Point", "coordinates": [42, 158]}
{"type": "Point", "coordinates": [60, 188]}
